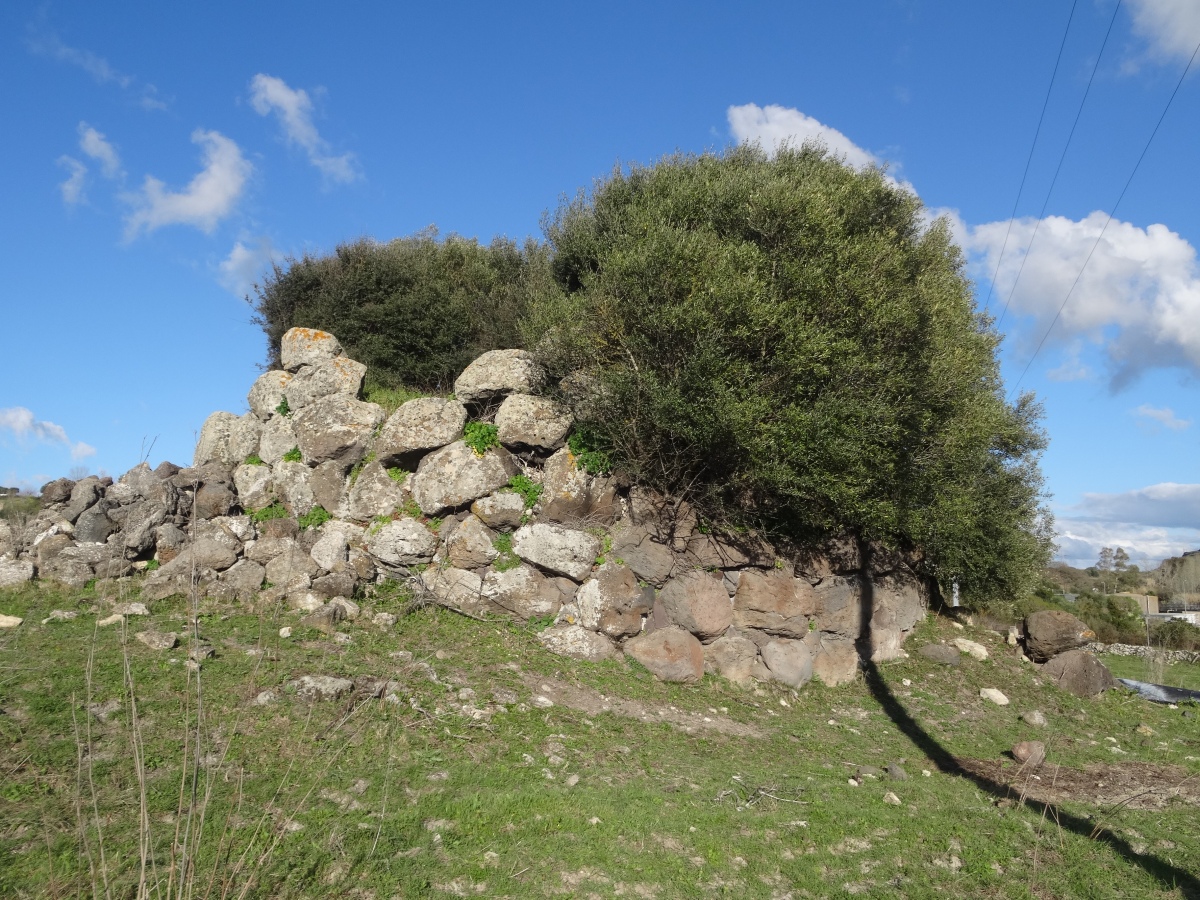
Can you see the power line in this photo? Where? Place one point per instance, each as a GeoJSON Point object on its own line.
{"type": "Point", "coordinates": [1058, 168]}
{"type": "Point", "coordinates": [1029, 159]}
{"type": "Point", "coordinates": [1100, 236]}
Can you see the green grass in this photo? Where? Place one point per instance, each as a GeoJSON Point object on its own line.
{"type": "Point", "coordinates": [390, 398]}
{"type": "Point", "coordinates": [367, 798]}
{"type": "Point", "coordinates": [1180, 675]}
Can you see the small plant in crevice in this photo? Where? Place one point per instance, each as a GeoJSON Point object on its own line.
{"type": "Point", "coordinates": [481, 437]}
{"type": "Point", "coordinates": [275, 511]}
{"type": "Point", "coordinates": [397, 474]}
{"type": "Point", "coordinates": [508, 558]}
{"type": "Point", "coordinates": [539, 623]}
{"type": "Point", "coordinates": [283, 408]}
{"type": "Point", "coordinates": [357, 468]}
{"type": "Point", "coordinates": [587, 448]}
{"type": "Point", "coordinates": [605, 548]}
{"type": "Point", "coordinates": [528, 489]}
{"type": "Point", "coordinates": [293, 455]}
{"type": "Point", "coordinates": [153, 565]}
{"type": "Point", "coordinates": [434, 524]}
{"type": "Point", "coordinates": [253, 460]}
{"type": "Point", "coordinates": [315, 517]}
{"type": "Point", "coordinates": [411, 509]}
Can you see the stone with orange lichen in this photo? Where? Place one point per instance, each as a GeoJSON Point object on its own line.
{"type": "Point", "coordinates": [340, 375]}
{"type": "Point", "coordinates": [307, 347]}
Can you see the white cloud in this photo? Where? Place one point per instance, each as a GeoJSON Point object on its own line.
{"type": "Point", "coordinates": [208, 198]}
{"type": "Point", "coordinates": [94, 144]}
{"type": "Point", "coordinates": [1164, 416]}
{"type": "Point", "coordinates": [1172, 27]}
{"type": "Point", "coordinates": [47, 44]}
{"type": "Point", "coordinates": [1138, 298]}
{"type": "Point", "coordinates": [1079, 541]}
{"type": "Point", "coordinates": [1166, 505]}
{"type": "Point", "coordinates": [294, 110]}
{"type": "Point", "coordinates": [24, 425]}
{"type": "Point", "coordinates": [244, 265]}
{"type": "Point", "coordinates": [774, 126]}
{"type": "Point", "coordinates": [1072, 368]}
{"type": "Point", "coordinates": [72, 188]}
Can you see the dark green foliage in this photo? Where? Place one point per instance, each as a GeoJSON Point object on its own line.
{"type": "Point", "coordinates": [480, 437]}
{"type": "Point", "coordinates": [785, 340]}
{"type": "Point", "coordinates": [284, 408]}
{"type": "Point", "coordinates": [530, 491]}
{"type": "Point", "coordinates": [315, 517]}
{"type": "Point", "coordinates": [415, 310]}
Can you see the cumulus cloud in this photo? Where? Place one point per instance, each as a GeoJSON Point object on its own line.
{"type": "Point", "coordinates": [1138, 298]}
{"type": "Point", "coordinates": [1163, 416]}
{"type": "Point", "coordinates": [294, 110]}
{"type": "Point", "coordinates": [244, 265]}
{"type": "Point", "coordinates": [1171, 27]}
{"type": "Point", "coordinates": [1080, 540]}
{"type": "Point", "coordinates": [774, 126]}
{"type": "Point", "coordinates": [72, 188]}
{"type": "Point", "coordinates": [94, 144]}
{"type": "Point", "coordinates": [24, 425]}
{"type": "Point", "coordinates": [210, 196]}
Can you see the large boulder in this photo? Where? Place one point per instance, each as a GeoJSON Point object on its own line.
{"type": "Point", "coordinates": [611, 601]}
{"type": "Point", "coordinates": [898, 604]}
{"type": "Point", "coordinates": [339, 375]}
{"type": "Point", "coordinates": [1079, 673]}
{"type": "Point", "coordinates": [307, 347]}
{"type": "Point", "coordinates": [523, 591]}
{"type": "Point", "coordinates": [557, 549]}
{"type": "Point", "coordinates": [404, 542]}
{"type": "Point", "coordinates": [278, 438]}
{"type": "Point", "coordinates": [1052, 631]}
{"type": "Point", "coordinates": [332, 548]}
{"type": "Point", "coordinates": [83, 495]}
{"type": "Point", "coordinates": [537, 422]}
{"type": "Point", "coordinates": [267, 393]}
{"type": "Point", "coordinates": [835, 659]}
{"type": "Point", "coordinates": [255, 488]}
{"type": "Point", "coordinates": [336, 427]}
{"type": "Point", "coordinates": [650, 560]}
{"type": "Point", "coordinates": [790, 661]}
{"type": "Point", "coordinates": [244, 578]}
{"type": "Point", "coordinates": [59, 490]}
{"type": "Point", "coordinates": [732, 656]}
{"type": "Point", "coordinates": [577, 642]}
{"type": "Point", "coordinates": [292, 570]}
{"type": "Point", "coordinates": [498, 373]}
{"type": "Point", "coordinates": [212, 500]}
{"type": "Point", "coordinates": [15, 572]}
{"type": "Point", "coordinates": [457, 589]}
{"type": "Point", "coordinates": [374, 493]}
{"type": "Point", "coordinates": [504, 510]}
{"type": "Point", "coordinates": [94, 525]}
{"type": "Point", "coordinates": [697, 602]}
{"type": "Point", "coordinates": [571, 496]}
{"type": "Point", "coordinates": [293, 488]}
{"type": "Point", "coordinates": [330, 486]}
{"type": "Point", "coordinates": [470, 546]}
{"type": "Point", "coordinates": [671, 654]}
{"type": "Point", "coordinates": [418, 426]}
{"type": "Point", "coordinates": [775, 602]}
{"type": "Point", "coordinates": [227, 439]}
{"type": "Point", "coordinates": [452, 477]}
{"type": "Point", "coordinates": [839, 606]}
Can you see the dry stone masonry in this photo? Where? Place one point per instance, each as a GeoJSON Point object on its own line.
{"type": "Point", "coordinates": [313, 495]}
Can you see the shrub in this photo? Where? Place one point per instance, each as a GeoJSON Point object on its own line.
{"type": "Point", "coordinates": [283, 409]}
{"type": "Point", "coordinates": [275, 511]}
{"type": "Point", "coordinates": [415, 310]}
{"type": "Point", "coordinates": [529, 490]}
{"type": "Point", "coordinates": [315, 517]}
{"type": "Point", "coordinates": [293, 455]}
{"type": "Point", "coordinates": [583, 444]}
{"type": "Point", "coordinates": [480, 437]}
{"type": "Point", "coordinates": [254, 460]}
{"type": "Point", "coordinates": [785, 340]}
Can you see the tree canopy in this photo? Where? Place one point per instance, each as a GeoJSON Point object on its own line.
{"type": "Point", "coordinates": [793, 344]}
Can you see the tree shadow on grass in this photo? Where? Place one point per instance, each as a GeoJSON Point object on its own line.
{"type": "Point", "coordinates": [1170, 876]}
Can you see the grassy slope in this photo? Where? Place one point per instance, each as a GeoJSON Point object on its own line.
{"type": "Point", "coordinates": [372, 799]}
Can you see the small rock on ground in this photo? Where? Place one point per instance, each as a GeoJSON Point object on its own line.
{"type": "Point", "coordinates": [941, 653]}
{"type": "Point", "coordinates": [972, 649]}
{"type": "Point", "coordinates": [1030, 753]}
{"type": "Point", "coordinates": [994, 695]}
{"type": "Point", "coordinates": [1034, 717]}
{"type": "Point", "coordinates": [158, 640]}
{"type": "Point", "coordinates": [10, 621]}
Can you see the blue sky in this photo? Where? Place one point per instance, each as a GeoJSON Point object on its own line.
{"type": "Point", "coordinates": [158, 158]}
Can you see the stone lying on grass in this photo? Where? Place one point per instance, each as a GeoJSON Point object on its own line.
{"type": "Point", "coordinates": [671, 654]}
{"type": "Point", "coordinates": [1079, 673]}
{"type": "Point", "coordinates": [320, 687]}
{"type": "Point", "coordinates": [1052, 631]}
{"type": "Point", "coordinates": [577, 643]}
{"type": "Point", "coordinates": [158, 640]}
{"type": "Point", "coordinates": [789, 661]}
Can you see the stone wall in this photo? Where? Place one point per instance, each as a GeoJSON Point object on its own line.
{"type": "Point", "coordinates": [612, 568]}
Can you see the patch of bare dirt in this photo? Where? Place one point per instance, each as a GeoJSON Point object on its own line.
{"type": "Point", "coordinates": [1135, 785]}
{"type": "Point", "coordinates": [592, 702]}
